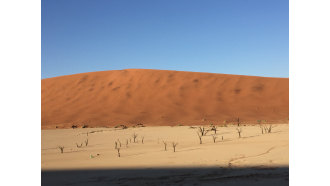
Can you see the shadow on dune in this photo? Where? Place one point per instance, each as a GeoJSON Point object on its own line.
{"type": "Point", "coordinates": [170, 176]}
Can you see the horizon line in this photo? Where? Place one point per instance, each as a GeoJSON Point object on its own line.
{"type": "Point", "coordinates": [163, 70]}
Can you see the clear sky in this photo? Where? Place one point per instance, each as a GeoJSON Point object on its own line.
{"type": "Point", "coordinates": [247, 37]}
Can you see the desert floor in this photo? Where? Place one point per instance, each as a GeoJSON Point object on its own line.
{"type": "Point", "coordinates": [255, 158]}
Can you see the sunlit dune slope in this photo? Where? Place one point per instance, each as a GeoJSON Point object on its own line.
{"type": "Point", "coordinates": [161, 97]}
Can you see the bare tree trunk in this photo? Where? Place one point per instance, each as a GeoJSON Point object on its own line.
{"type": "Point", "coordinates": [118, 152]}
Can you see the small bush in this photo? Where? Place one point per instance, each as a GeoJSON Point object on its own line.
{"type": "Point", "coordinates": [121, 126]}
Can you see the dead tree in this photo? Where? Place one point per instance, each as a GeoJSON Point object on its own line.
{"type": "Point", "coordinates": [262, 129]}
{"type": "Point", "coordinates": [142, 139]}
{"type": "Point", "coordinates": [86, 142]}
{"type": "Point", "coordinates": [214, 128]}
{"type": "Point", "coordinates": [203, 131]}
{"type": "Point", "coordinates": [118, 150]}
{"type": "Point", "coordinates": [239, 131]}
{"type": "Point", "coordinates": [116, 145]}
{"type": "Point", "coordinates": [214, 136]}
{"type": "Point", "coordinates": [265, 129]}
{"type": "Point", "coordinates": [119, 142]}
{"type": "Point", "coordinates": [165, 145]}
{"type": "Point", "coordinates": [270, 129]}
{"type": "Point", "coordinates": [238, 121]}
{"type": "Point", "coordinates": [78, 146]}
{"type": "Point", "coordinates": [200, 137]}
{"type": "Point", "coordinates": [61, 148]}
{"type": "Point", "coordinates": [174, 146]}
{"type": "Point", "coordinates": [134, 136]}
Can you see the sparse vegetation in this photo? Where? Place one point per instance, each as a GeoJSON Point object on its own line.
{"type": "Point", "coordinates": [239, 131]}
{"type": "Point", "coordinates": [61, 148]}
{"type": "Point", "coordinates": [121, 126]}
{"type": "Point", "coordinates": [174, 144]}
{"type": "Point", "coordinates": [214, 136]}
{"type": "Point", "coordinates": [165, 145]}
{"type": "Point", "coordinates": [84, 126]}
{"type": "Point", "coordinates": [138, 125]}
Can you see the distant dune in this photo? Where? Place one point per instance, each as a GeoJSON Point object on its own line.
{"type": "Point", "coordinates": [161, 97]}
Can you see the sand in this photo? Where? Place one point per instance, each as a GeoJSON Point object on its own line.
{"type": "Point", "coordinates": [252, 149]}
{"type": "Point", "coordinates": [264, 156]}
{"type": "Point", "coordinates": [161, 97]}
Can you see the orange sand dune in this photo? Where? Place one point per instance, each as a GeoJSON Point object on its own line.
{"type": "Point", "coordinates": [161, 97]}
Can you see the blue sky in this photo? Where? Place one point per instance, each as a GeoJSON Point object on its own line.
{"type": "Point", "coordinates": [247, 37]}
